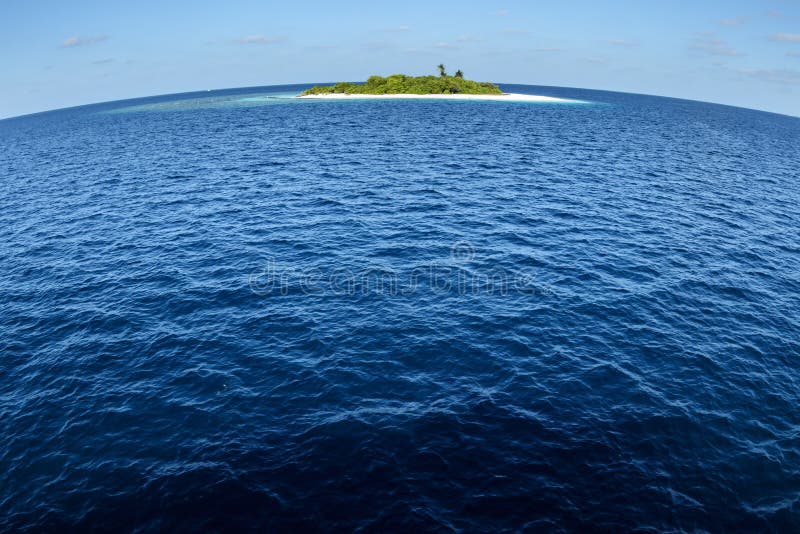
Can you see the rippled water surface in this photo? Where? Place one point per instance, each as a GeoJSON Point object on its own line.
{"type": "Point", "coordinates": [234, 310]}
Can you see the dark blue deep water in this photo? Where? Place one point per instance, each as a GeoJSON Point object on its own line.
{"type": "Point", "coordinates": [232, 311]}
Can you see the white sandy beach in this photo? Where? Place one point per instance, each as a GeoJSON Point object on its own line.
{"type": "Point", "coordinates": [505, 97]}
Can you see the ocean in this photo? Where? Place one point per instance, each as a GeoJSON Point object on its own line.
{"type": "Point", "coordinates": [234, 310]}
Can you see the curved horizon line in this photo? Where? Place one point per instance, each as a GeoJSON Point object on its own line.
{"type": "Point", "coordinates": [202, 91]}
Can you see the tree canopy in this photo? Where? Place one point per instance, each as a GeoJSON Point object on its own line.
{"type": "Point", "coordinates": [416, 85]}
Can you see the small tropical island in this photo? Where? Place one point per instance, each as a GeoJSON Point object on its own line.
{"type": "Point", "coordinates": [403, 86]}
{"type": "Point", "coordinates": [397, 84]}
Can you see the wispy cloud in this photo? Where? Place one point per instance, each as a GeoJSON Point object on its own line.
{"type": "Point", "coordinates": [785, 37]}
{"type": "Point", "coordinates": [501, 12]}
{"type": "Point", "coordinates": [74, 41]}
{"type": "Point", "coordinates": [779, 76]}
{"type": "Point", "coordinates": [399, 29]}
{"type": "Point", "coordinates": [548, 49]}
{"type": "Point", "coordinates": [735, 21]}
{"type": "Point", "coordinates": [793, 54]}
{"type": "Point", "coordinates": [596, 59]}
{"type": "Point", "coordinates": [709, 44]}
{"type": "Point", "coordinates": [105, 61]}
{"type": "Point", "coordinates": [260, 39]}
{"type": "Point", "coordinates": [445, 46]}
{"type": "Point", "coordinates": [623, 42]}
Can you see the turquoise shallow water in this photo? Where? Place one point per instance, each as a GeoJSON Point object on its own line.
{"type": "Point", "coordinates": [234, 310]}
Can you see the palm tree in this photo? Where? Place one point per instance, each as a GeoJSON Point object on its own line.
{"type": "Point", "coordinates": [459, 74]}
{"type": "Point", "coordinates": [442, 72]}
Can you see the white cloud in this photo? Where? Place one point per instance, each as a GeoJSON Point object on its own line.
{"type": "Point", "coordinates": [736, 21]}
{"type": "Point", "coordinates": [399, 29]}
{"type": "Point", "coordinates": [468, 39]}
{"type": "Point", "coordinates": [445, 46]}
{"type": "Point", "coordinates": [786, 37]}
{"type": "Point", "coordinates": [501, 12]}
{"type": "Point", "coordinates": [260, 39]}
{"type": "Point", "coordinates": [716, 47]}
{"type": "Point", "coordinates": [75, 40]}
{"type": "Point", "coordinates": [622, 42]}
{"type": "Point", "coordinates": [548, 49]}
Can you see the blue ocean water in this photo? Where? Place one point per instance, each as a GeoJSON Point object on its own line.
{"type": "Point", "coordinates": [237, 311]}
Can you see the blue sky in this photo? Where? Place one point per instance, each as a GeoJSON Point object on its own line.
{"type": "Point", "coordinates": [61, 53]}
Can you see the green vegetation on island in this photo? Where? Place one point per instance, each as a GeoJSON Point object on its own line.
{"type": "Point", "coordinates": [396, 84]}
